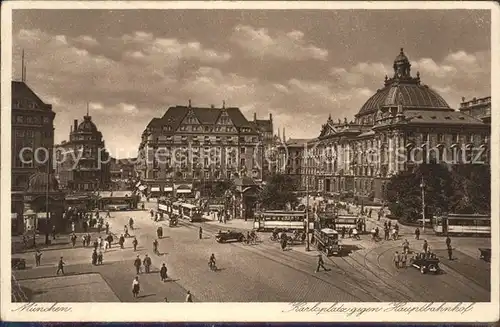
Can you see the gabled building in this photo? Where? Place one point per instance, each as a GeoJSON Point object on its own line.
{"type": "Point", "coordinates": [403, 124]}
{"type": "Point", "coordinates": [198, 145]}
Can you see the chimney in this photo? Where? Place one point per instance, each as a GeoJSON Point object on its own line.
{"type": "Point", "coordinates": [75, 125]}
{"type": "Point", "coordinates": [254, 116]}
{"type": "Point", "coordinates": [270, 117]}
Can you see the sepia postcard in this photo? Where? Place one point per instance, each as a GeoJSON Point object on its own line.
{"type": "Point", "coordinates": [250, 161]}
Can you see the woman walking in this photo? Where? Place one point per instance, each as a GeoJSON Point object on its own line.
{"type": "Point", "coordinates": [135, 287]}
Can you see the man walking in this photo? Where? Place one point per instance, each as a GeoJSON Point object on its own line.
{"type": "Point", "coordinates": [417, 233]}
{"type": "Point", "coordinates": [147, 264]}
{"type": "Point", "coordinates": [321, 263]}
{"type": "Point", "coordinates": [397, 259]}
{"type": "Point", "coordinates": [449, 248]}
{"type": "Point", "coordinates": [60, 266]}
{"type": "Point", "coordinates": [163, 273]}
{"type": "Point", "coordinates": [134, 243]}
{"type": "Point", "coordinates": [189, 297]}
{"type": "Point", "coordinates": [38, 257]}
{"type": "Point", "coordinates": [73, 239]}
{"type": "Point", "coordinates": [137, 264]}
{"type": "Point", "coordinates": [200, 233]}
{"type": "Point", "coordinates": [107, 228]}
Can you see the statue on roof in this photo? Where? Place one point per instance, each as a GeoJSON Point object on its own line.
{"type": "Point", "coordinates": [345, 120]}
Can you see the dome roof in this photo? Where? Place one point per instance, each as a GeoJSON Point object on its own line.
{"type": "Point", "coordinates": [38, 183]}
{"type": "Point", "coordinates": [408, 95]}
{"type": "Point", "coordinates": [87, 125]}
{"type": "Point", "coordinates": [403, 89]}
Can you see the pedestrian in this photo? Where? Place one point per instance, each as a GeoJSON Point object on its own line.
{"type": "Point", "coordinates": [448, 242]}
{"type": "Point", "coordinates": [108, 215]}
{"type": "Point", "coordinates": [200, 233]}
{"type": "Point", "coordinates": [350, 232]}
{"type": "Point", "coordinates": [96, 245]}
{"type": "Point", "coordinates": [189, 297]}
{"type": "Point", "coordinates": [73, 227]}
{"type": "Point", "coordinates": [99, 226]}
{"type": "Point", "coordinates": [425, 246]}
{"type": "Point", "coordinates": [73, 239]}
{"type": "Point", "coordinates": [321, 263]}
{"type": "Point", "coordinates": [389, 224]}
{"type": "Point", "coordinates": [134, 243]}
{"type": "Point", "coordinates": [53, 232]}
{"type": "Point", "coordinates": [107, 227]}
{"type": "Point", "coordinates": [163, 273]}
{"type": "Point", "coordinates": [397, 259]}
{"type": "Point", "coordinates": [99, 242]}
{"type": "Point", "coordinates": [142, 206]}
{"type": "Point", "coordinates": [343, 231]}
{"type": "Point", "coordinates": [404, 258]}
{"type": "Point", "coordinates": [147, 264]}
{"type": "Point", "coordinates": [137, 265]}
{"type": "Point", "coordinates": [110, 240]}
{"type": "Point", "coordinates": [417, 233]}
{"type": "Point", "coordinates": [84, 240]}
{"type": "Point", "coordinates": [60, 266]}
{"type": "Point", "coordinates": [99, 258]}
{"type": "Point", "coordinates": [38, 257]}
{"type": "Point", "coordinates": [94, 257]}
{"type": "Point", "coordinates": [355, 234]}
{"type": "Point", "coordinates": [155, 247]}
{"type": "Point", "coordinates": [136, 286]}
{"type": "Point", "coordinates": [450, 253]}
{"type": "Point", "coordinates": [125, 229]}
{"type": "Point", "coordinates": [122, 241]}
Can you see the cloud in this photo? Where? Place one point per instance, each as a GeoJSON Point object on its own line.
{"type": "Point", "coordinates": [129, 80]}
{"type": "Point", "coordinates": [87, 40]}
{"type": "Point", "coordinates": [148, 48]}
{"type": "Point", "coordinates": [259, 42]}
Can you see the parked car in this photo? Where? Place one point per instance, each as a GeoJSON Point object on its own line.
{"type": "Point", "coordinates": [222, 237]}
{"type": "Point", "coordinates": [18, 263]}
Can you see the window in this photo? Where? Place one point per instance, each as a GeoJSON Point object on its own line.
{"type": "Point", "coordinates": [19, 133]}
{"type": "Point", "coordinates": [29, 133]}
{"type": "Point", "coordinates": [20, 119]}
{"type": "Point", "coordinates": [242, 162]}
{"type": "Point", "coordinates": [243, 150]}
{"type": "Point", "coordinates": [471, 138]}
{"type": "Point", "coordinates": [440, 138]}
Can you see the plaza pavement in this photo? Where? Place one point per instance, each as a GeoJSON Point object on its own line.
{"type": "Point", "coordinates": [263, 272]}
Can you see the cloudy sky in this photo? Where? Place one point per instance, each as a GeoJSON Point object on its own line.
{"type": "Point", "coordinates": [298, 65]}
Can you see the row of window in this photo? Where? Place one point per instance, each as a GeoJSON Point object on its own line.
{"type": "Point", "coordinates": [206, 139]}
{"type": "Point", "coordinates": [20, 119]}
{"type": "Point", "coordinates": [20, 104]}
{"type": "Point", "coordinates": [206, 163]}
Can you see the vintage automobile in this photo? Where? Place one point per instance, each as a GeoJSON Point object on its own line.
{"type": "Point", "coordinates": [425, 263]}
{"type": "Point", "coordinates": [327, 241]}
{"type": "Point", "coordinates": [227, 236]}
{"type": "Point", "coordinates": [18, 263]}
{"type": "Point", "coordinates": [485, 254]}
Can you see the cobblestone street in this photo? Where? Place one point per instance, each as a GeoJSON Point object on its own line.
{"type": "Point", "coordinates": [254, 273]}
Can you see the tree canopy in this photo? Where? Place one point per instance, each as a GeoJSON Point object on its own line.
{"type": "Point", "coordinates": [455, 189]}
{"type": "Point", "coordinates": [278, 191]}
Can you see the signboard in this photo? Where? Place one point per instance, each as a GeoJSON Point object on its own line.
{"type": "Point", "coordinates": [162, 207]}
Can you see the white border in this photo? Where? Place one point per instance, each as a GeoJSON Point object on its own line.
{"type": "Point", "coordinates": [226, 312]}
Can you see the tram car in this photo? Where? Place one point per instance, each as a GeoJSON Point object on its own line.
{"type": "Point", "coordinates": [326, 240]}
{"type": "Point", "coordinates": [283, 220]}
{"type": "Point", "coordinates": [426, 263]}
{"type": "Point", "coordinates": [463, 224]}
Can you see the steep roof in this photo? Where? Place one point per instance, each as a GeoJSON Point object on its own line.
{"type": "Point", "coordinates": [441, 117]}
{"type": "Point", "coordinates": [21, 91]}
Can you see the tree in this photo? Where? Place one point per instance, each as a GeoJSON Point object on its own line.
{"type": "Point", "coordinates": [472, 192]}
{"type": "Point", "coordinates": [404, 192]}
{"type": "Point", "coordinates": [278, 191]}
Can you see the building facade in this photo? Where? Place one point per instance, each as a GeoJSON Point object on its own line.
{"type": "Point", "coordinates": [404, 123]}
{"type": "Point", "coordinates": [122, 169]}
{"type": "Point", "coordinates": [83, 161]}
{"type": "Point", "coordinates": [32, 142]}
{"type": "Point", "coordinates": [479, 108]}
{"type": "Point", "coordinates": [199, 146]}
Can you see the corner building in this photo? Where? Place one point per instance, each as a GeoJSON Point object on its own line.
{"type": "Point", "coordinates": [200, 145]}
{"type": "Point", "coordinates": [83, 163]}
{"type": "Point", "coordinates": [402, 124]}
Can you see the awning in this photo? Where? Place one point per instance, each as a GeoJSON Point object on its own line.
{"type": "Point", "coordinates": [169, 189]}
{"type": "Point", "coordinates": [42, 215]}
{"type": "Point", "coordinates": [183, 191]}
{"type": "Point", "coordinates": [155, 189]}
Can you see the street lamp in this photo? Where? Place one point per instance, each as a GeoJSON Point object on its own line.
{"type": "Point", "coordinates": [422, 187]}
{"type": "Point", "coordinates": [307, 210]}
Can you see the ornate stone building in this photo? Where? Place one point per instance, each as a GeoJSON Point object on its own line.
{"type": "Point", "coordinates": [200, 145]}
{"type": "Point", "coordinates": [32, 128]}
{"type": "Point", "coordinates": [479, 108]}
{"type": "Point", "coordinates": [404, 123]}
{"type": "Point", "coordinates": [83, 162]}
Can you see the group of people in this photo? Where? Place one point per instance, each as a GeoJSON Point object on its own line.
{"type": "Point", "coordinates": [400, 259]}
{"type": "Point", "coordinates": [393, 230]}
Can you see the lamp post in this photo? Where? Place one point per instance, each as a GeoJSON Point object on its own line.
{"type": "Point", "coordinates": [422, 187]}
{"type": "Point", "coordinates": [307, 210]}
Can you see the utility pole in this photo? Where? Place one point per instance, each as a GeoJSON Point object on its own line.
{"type": "Point", "coordinates": [422, 187]}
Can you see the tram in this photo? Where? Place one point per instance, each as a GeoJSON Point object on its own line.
{"type": "Point", "coordinates": [463, 224]}
{"type": "Point", "coordinates": [282, 220]}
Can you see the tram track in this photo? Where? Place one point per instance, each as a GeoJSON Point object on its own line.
{"type": "Point", "coordinates": [304, 266]}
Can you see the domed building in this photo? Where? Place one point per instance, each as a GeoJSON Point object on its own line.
{"type": "Point", "coordinates": [404, 123]}
{"type": "Point", "coordinates": [83, 162]}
